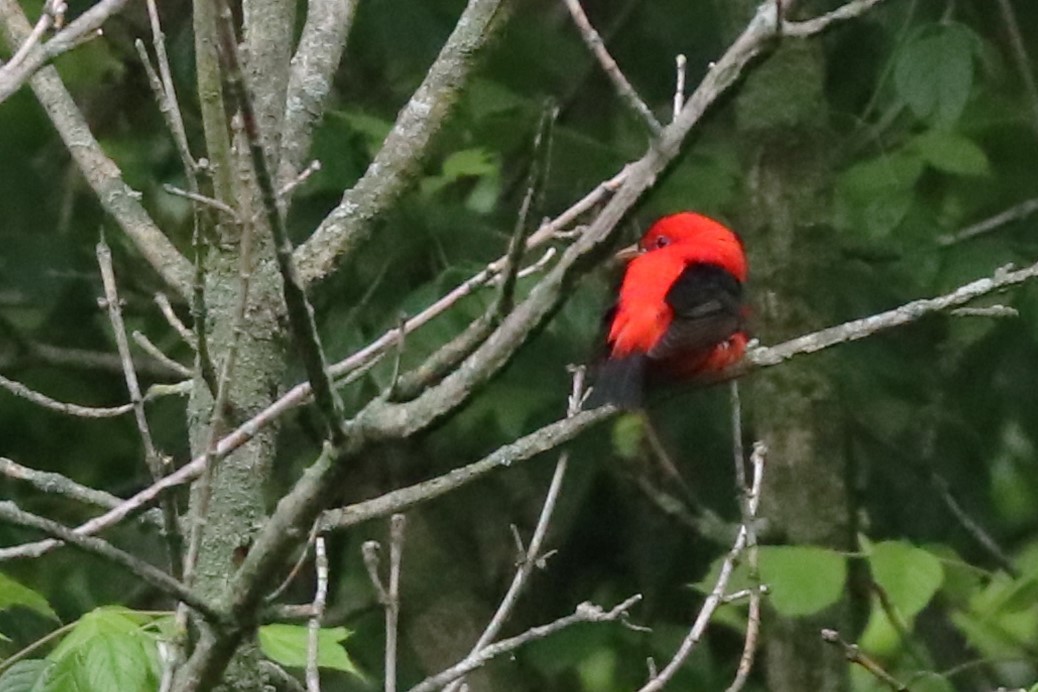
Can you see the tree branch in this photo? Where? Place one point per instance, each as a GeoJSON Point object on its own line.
{"type": "Point", "coordinates": [10, 513]}
{"type": "Point", "coordinates": [400, 157]}
{"type": "Point", "coordinates": [585, 612]}
{"type": "Point", "coordinates": [719, 592]}
{"type": "Point", "coordinates": [321, 46]}
{"type": "Point", "coordinates": [57, 484]}
{"type": "Point", "coordinates": [16, 73]}
{"type": "Point", "coordinates": [620, 82]}
{"type": "Point", "coordinates": [756, 359]}
{"type": "Point", "coordinates": [100, 172]}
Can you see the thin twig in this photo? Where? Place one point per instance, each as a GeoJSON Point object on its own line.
{"type": "Point", "coordinates": [1023, 60]}
{"type": "Point", "coordinates": [155, 352]}
{"type": "Point", "coordinates": [152, 458]}
{"type": "Point", "coordinates": [313, 675]}
{"type": "Point", "coordinates": [55, 483]}
{"type": "Point", "coordinates": [199, 198]}
{"type": "Point", "coordinates": [396, 546]}
{"type": "Point", "coordinates": [810, 27]}
{"type": "Point", "coordinates": [171, 317]}
{"type": "Point", "coordinates": [679, 83]}
{"type": "Point", "coordinates": [12, 514]}
{"type": "Point", "coordinates": [758, 358]}
{"type": "Point", "coordinates": [1014, 213]}
{"type": "Point", "coordinates": [620, 82]}
{"type": "Point", "coordinates": [972, 526]}
{"type": "Point", "coordinates": [717, 595]}
{"type": "Point", "coordinates": [20, 390]}
{"type": "Point", "coordinates": [856, 656]}
{"type": "Point", "coordinates": [294, 572]}
{"type": "Point", "coordinates": [753, 617]}
{"type": "Point", "coordinates": [532, 556]}
{"type": "Point", "coordinates": [168, 103]}
{"type": "Point", "coordinates": [585, 612]}
{"type": "Point", "coordinates": [98, 170]}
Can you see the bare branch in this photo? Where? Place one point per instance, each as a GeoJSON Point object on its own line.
{"type": "Point", "coordinates": [548, 437]}
{"type": "Point", "coordinates": [585, 612]}
{"type": "Point", "coordinates": [32, 56]}
{"type": "Point", "coordinates": [11, 514]}
{"type": "Point", "coordinates": [154, 461]}
{"type": "Point", "coordinates": [753, 618]}
{"type": "Point", "coordinates": [1020, 56]}
{"type": "Point", "coordinates": [399, 159]}
{"type": "Point", "coordinates": [313, 676]}
{"type": "Point", "coordinates": [910, 312]}
{"type": "Point", "coordinates": [100, 172]}
{"type": "Point", "coordinates": [171, 317]}
{"type": "Point", "coordinates": [856, 656]}
{"type": "Point", "coordinates": [761, 357]}
{"type": "Point", "coordinates": [623, 87]}
{"type": "Point", "coordinates": [396, 547]}
{"type": "Point", "coordinates": [719, 592]}
{"type": "Point", "coordinates": [810, 27]}
{"type": "Point", "coordinates": [20, 390]}
{"type": "Point", "coordinates": [1014, 213]}
{"type": "Point", "coordinates": [55, 483]}
{"type": "Point", "coordinates": [328, 24]}
{"type": "Point", "coordinates": [532, 556]}
{"type": "Point", "coordinates": [679, 83]}
{"type": "Point", "coordinates": [155, 352]}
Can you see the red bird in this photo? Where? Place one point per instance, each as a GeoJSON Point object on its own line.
{"type": "Point", "coordinates": [679, 313]}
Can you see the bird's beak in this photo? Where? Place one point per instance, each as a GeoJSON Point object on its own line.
{"type": "Point", "coordinates": [628, 253]}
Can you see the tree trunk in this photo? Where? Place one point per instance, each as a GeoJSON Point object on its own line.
{"type": "Point", "coordinates": [781, 120]}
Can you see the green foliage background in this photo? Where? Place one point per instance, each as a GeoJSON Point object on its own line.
{"type": "Point", "coordinates": [931, 129]}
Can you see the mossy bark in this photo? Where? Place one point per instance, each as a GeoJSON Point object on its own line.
{"type": "Point", "coordinates": [786, 148]}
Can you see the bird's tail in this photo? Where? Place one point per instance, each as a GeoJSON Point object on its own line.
{"type": "Point", "coordinates": [620, 381]}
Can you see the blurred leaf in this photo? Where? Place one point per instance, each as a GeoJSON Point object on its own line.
{"type": "Point", "coordinates": [934, 72]}
{"type": "Point", "coordinates": [14, 594]}
{"type": "Point", "coordinates": [802, 579]}
{"type": "Point", "coordinates": [107, 650]}
{"type": "Point", "coordinates": [873, 196]}
{"type": "Point", "coordinates": [909, 576]}
{"type": "Point", "coordinates": [628, 432]}
{"type": "Point", "coordinates": [289, 644]}
{"type": "Point", "coordinates": [26, 676]}
{"type": "Point", "coordinates": [373, 129]}
{"type": "Point", "coordinates": [952, 153]}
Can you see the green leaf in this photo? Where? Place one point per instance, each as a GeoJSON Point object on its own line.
{"type": "Point", "coordinates": [873, 196]}
{"type": "Point", "coordinates": [106, 650]}
{"type": "Point", "coordinates": [288, 645]}
{"type": "Point", "coordinates": [373, 129]}
{"type": "Point", "coordinates": [470, 163]}
{"type": "Point", "coordinates": [952, 153]}
{"type": "Point", "coordinates": [26, 676]}
{"type": "Point", "coordinates": [909, 576]}
{"type": "Point", "coordinates": [802, 579]}
{"type": "Point", "coordinates": [934, 72]}
{"type": "Point", "coordinates": [14, 594]}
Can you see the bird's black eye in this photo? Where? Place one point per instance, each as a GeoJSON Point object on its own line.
{"type": "Point", "coordinates": [662, 241]}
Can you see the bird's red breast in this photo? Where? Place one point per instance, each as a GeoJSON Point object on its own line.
{"type": "Point", "coordinates": [679, 310]}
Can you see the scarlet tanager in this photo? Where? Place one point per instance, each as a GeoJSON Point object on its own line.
{"type": "Point", "coordinates": [679, 314]}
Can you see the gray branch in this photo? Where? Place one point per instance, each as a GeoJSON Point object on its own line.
{"type": "Point", "coordinates": [100, 172]}
{"type": "Point", "coordinates": [400, 157]}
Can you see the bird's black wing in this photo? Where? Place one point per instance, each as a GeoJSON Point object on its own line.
{"type": "Point", "coordinates": [707, 304]}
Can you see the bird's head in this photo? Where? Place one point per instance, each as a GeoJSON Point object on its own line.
{"type": "Point", "coordinates": [692, 238]}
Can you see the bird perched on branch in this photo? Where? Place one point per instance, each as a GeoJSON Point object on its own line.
{"type": "Point", "coordinates": [679, 314]}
